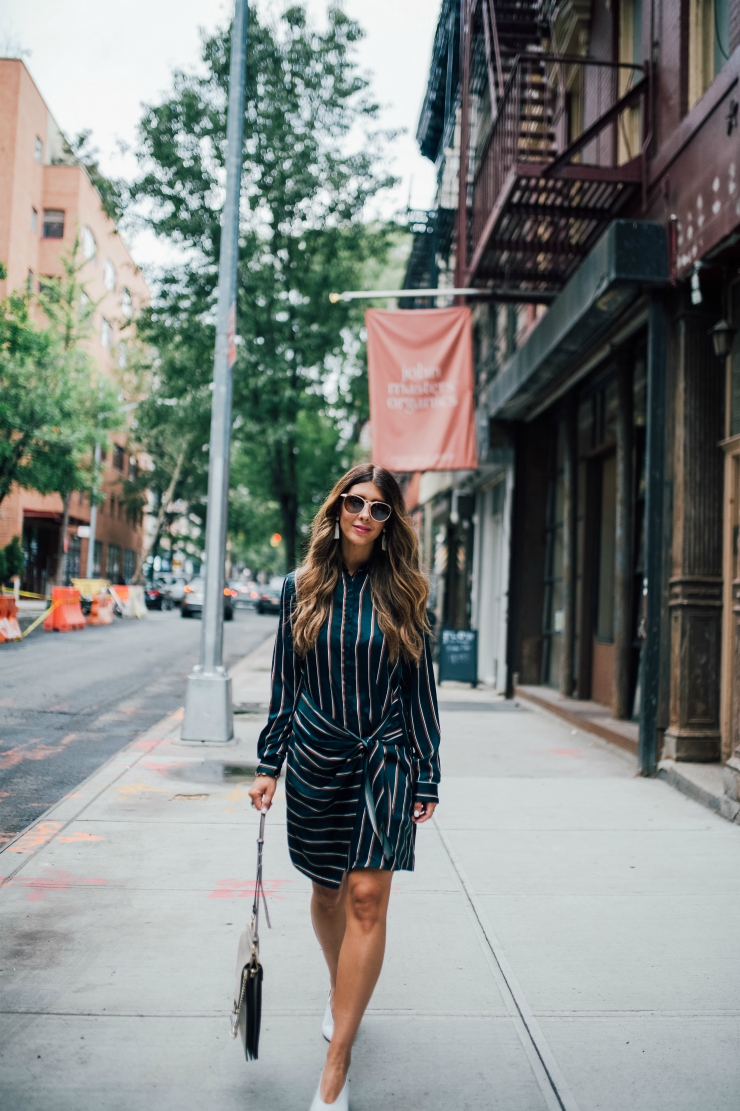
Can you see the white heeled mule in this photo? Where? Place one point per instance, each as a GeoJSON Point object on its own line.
{"type": "Point", "coordinates": [327, 1023]}
{"type": "Point", "coordinates": [341, 1103]}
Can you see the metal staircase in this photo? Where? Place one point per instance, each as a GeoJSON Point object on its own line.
{"type": "Point", "coordinates": [546, 172]}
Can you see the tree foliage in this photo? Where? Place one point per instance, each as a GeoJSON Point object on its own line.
{"type": "Point", "coordinates": [313, 160]}
{"type": "Point", "coordinates": [51, 406]}
{"type": "Point", "coordinates": [12, 562]}
{"type": "Point", "coordinates": [112, 191]}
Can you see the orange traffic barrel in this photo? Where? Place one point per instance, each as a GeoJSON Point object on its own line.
{"type": "Point", "coordinates": [65, 613]}
{"type": "Point", "coordinates": [101, 610]}
{"type": "Point", "coordinates": [9, 627]}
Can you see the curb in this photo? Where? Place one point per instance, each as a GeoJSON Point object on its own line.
{"type": "Point", "coordinates": [726, 807]}
{"type": "Point", "coordinates": [578, 721]}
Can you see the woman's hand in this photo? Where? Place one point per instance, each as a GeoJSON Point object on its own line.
{"type": "Point", "coordinates": [423, 811]}
{"type": "Point", "coordinates": [262, 791]}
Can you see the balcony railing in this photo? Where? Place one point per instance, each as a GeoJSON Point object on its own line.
{"type": "Point", "coordinates": [562, 158]}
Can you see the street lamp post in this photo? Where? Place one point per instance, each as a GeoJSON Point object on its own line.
{"type": "Point", "coordinates": [93, 513]}
{"type": "Point", "coordinates": [209, 712]}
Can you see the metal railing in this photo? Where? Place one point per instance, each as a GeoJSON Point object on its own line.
{"type": "Point", "coordinates": [558, 111]}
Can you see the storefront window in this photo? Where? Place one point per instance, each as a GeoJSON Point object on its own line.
{"type": "Point", "coordinates": [129, 563]}
{"type": "Point", "coordinates": [73, 558]}
{"type": "Point", "coordinates": [114, 562]}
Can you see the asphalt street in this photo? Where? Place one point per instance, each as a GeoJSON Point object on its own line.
{"type": "Point", "coordinates": [68, 701]}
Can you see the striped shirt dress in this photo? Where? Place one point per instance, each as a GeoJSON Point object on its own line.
{"type": "Point", "coordinates": [361, 737]}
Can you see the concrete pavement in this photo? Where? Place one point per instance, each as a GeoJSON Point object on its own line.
{"type": "Point", "coordinates": [567, 940]}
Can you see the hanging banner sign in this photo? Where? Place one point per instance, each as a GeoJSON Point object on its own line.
{"type": "Point", "coordinates": [420, 370]}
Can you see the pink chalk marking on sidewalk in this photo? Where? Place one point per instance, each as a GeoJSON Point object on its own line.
{"type": "Point", "coordinates": [57, 880]}
{"type": "Point", "coordinates": [34, 838]}
{"type": "Point", "coordinates": [78, 836]}
{"type": "Point", "coordinates": [244, 889]}
{"type": "Point", "coordinates": [146, 744]}
{"type": "Point", "coordinates": [43, 832]}
{"type": "Point", "coordinates": [152, 766]}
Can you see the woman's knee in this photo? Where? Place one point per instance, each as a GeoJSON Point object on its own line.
{"type": "Point", "coordinates": [367, 897]}
{"type": "Point", "coordinates": [328, 898]}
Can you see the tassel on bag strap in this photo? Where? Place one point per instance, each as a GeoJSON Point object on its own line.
{"type": "Point", "coordinates": [259, 890]}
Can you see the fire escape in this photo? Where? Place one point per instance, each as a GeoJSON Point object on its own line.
{"type": "Point", "coordinates": [553, 146]}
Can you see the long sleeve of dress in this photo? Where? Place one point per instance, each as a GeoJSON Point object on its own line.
{"type": "Point", "coordinates": [423, 721]}
{"type": "Point", "coordinates": [273, 741]}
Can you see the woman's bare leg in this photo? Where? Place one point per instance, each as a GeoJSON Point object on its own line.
{"type": "Point", "coordinates": [329, 920]}
{"type": "Point", "coordinates": [367, 891]}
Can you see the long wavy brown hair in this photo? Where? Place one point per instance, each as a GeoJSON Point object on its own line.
{"type": "Point", "coordinates": [398, 588]}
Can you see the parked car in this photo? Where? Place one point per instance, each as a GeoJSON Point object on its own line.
{"type": "Point", "coordinates": [157, 596]}
{"type": "Point", "coordinates": [269, 596]}
{"type": "Point", "coordinates": [176, 586]}
{"type": "Point", "coordinates": [192, 602]}
{"type": "Point", "coordinates": [247, 593]}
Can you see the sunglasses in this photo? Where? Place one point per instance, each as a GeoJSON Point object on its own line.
{"type": "Point", "coordinates": [379, 510]}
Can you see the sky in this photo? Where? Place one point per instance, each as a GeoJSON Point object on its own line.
{"type": "Point", "coordinates": [96, 61]}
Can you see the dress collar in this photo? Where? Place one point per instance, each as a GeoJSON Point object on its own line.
{"type": "Point", "coordinates": [361, 570]}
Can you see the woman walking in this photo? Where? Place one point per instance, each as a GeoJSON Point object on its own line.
{"type": "Point", "coordinates": [354, 709]}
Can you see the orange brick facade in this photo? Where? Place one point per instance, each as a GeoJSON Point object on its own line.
{"type": "Point", "coordinates": [46, 200]}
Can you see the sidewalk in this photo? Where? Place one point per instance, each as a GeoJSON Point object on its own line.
{"type": "Point", "coordinates": [567, 941]}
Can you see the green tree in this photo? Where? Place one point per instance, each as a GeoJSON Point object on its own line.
{"type": "Point", "coordinates": [51, 407]}
{"type": "Point", "coordinates": [12, 562]}
{"type": "Point", "coordinates": [313, 160]}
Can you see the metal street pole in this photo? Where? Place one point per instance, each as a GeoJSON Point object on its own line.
{"type": "Point", "coordinates": [93, 514]}
{"type": "Point", "coordinates": [209, 712]}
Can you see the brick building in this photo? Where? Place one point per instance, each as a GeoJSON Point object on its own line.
{"type": "Point", "coordinates": [595, 548]}
{"type": "Point", "coordinates": [46, 199]}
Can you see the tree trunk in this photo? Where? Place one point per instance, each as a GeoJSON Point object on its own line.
{"type": "Point", "coordinates": [285, 485]}
{"type": "Point", "coordinates": [289, 510]}
{"type": "Point", "coordinates": [61, 575]}
{"type": "Point", "coordinates": [164, 502]}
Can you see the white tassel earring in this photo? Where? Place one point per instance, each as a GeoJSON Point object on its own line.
{"type": "Point", "coordinates": [383, 541]}
{"type": "Point", "coordinates": [336, 528]}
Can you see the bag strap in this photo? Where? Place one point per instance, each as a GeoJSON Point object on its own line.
{"type": "Point", "coordinates": [259, 891]}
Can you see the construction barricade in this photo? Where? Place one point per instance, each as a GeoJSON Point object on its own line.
{"type": "Point", "coordinates": [9, 627]}
{"type": "Point", "coordinates": [101, 610]}
{"type": "Point", "coordinates": [65, 613]}
{"type": "Point", "coordinates": [88, 588]}
{"type": "Point", "coordinates": [130, 599]}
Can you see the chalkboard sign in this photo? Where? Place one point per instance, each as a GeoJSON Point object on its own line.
{"type": "Point", "coordinates": [458, 655]}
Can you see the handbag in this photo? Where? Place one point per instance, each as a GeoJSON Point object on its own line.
{"type": "Point", "coordinates": [246, 1014]}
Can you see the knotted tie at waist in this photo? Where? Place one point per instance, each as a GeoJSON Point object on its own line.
{"type": "Point", "coordinates": [316, 733]}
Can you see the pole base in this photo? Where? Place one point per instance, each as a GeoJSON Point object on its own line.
{"type": "Point", "coordinates": [209, 709]}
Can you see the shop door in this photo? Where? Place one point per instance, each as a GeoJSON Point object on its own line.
{"type": "Point", "coordinates": [460, 536]}
{"type": "Point", "coordinates": [553, 615]}
{"type": "Point", "coordinates": [731, 647]}
{"type": "Point", "coordinates": [602, 658]}
{"type": "Point", "coordinates": [40, 549]}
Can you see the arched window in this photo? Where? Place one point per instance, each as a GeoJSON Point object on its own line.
{"type": "Point", "coordinates": [89, 246]}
